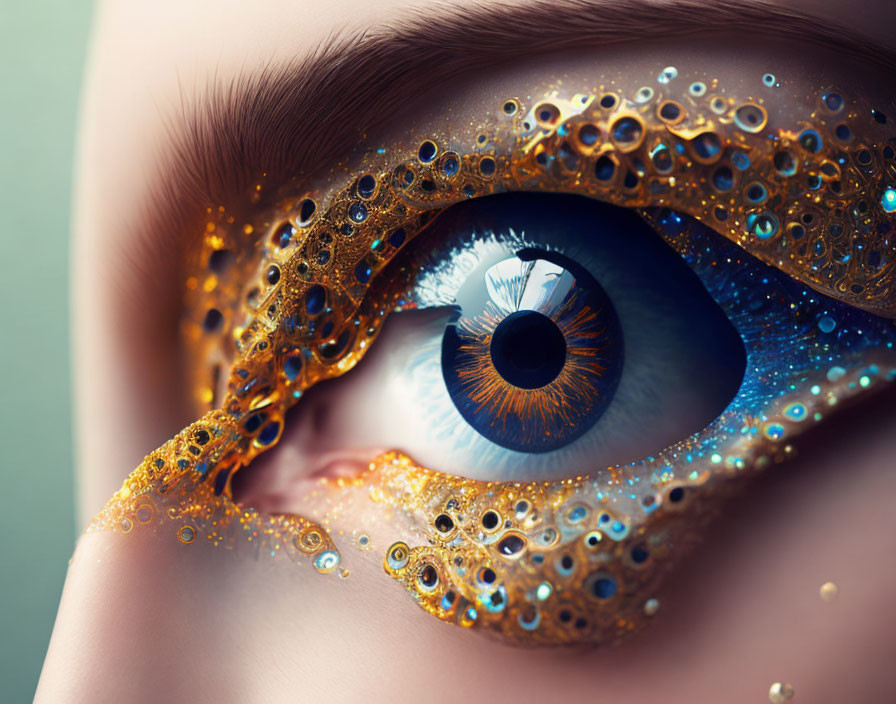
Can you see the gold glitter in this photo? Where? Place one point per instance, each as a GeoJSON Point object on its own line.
{"type": "Point", "coordinates": [651, 606]}
{"type": "Point", "coordinates": [303, 300]}
{"type": "Point", "coordinates": [829, 591]}
{"type": "Point", "coordinates": [780, 692]}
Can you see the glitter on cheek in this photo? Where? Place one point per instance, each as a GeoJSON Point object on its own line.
{"type": "Point", "coordinates": [278, 304]}
{"type": "Point", "coordinates": [780, 693]}
{"type": "Point", "coordinates": [829, 591]}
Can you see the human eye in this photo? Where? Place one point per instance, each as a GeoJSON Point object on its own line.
{"type": "Point", "coordinates": [546, 335]}
{"type": "Point", "coordinates": [516, 363]}
{"type": "Point", "coordinates": [605, 302]}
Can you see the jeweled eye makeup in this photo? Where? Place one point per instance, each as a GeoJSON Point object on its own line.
{"type": "Point", "coordinates": [606, 308]}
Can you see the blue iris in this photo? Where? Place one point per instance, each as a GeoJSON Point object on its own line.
{"type": "Point", "coordinates": [542, 362]}
{"type": "Point", "coordinates": [534, 357]}
{"type": "Point", "coordinates": [562, 334]}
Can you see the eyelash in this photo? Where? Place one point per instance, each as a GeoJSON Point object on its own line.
{"type": "Point", "coordinates": [313, 315]}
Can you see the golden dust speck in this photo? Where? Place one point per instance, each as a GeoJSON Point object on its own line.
{"type": "Point", "coordinates": [829, 591]}
{"type": "Point", "coordinates": [780, 692]}
{"type": "Point", "coordinates": [247, 229]}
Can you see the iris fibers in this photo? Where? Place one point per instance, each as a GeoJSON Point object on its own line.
{"type": "Point", "coordinates": [539, 364]}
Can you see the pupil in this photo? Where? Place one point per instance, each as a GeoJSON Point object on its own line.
{"type": "Point", "coordinates": [528, 350]}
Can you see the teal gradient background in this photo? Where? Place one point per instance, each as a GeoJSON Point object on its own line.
{"type": "Point", "coordinates": [42, 51]}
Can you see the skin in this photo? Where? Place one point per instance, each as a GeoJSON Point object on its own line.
{"type": "Point", "coordinates": [145, 619]}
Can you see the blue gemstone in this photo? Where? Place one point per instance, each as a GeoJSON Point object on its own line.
{"type": "Point", "coordinates": [396, 239]}
{"type": "Point", "coordinates": [604, 587]}
{"type": "Point", "coordinates": [723, 179]}
{"type": "Point", "coordinates": [366, 186]}
{"type": "Point", "coordinates": [604, 168]}
{"type": "Point", "coordinates": [315, 299]}
{"type": "Point", "coordinates": [362, 272]}
{"type": "Point", "coordinates": [662, 159]}
{"type": "Point", "coordinates": [331, 350]}
{"type": "Point", "coordinates": [357, 212]}
{"type": "Point", "coordinates": [810, 140]}
{"type": "Point", "coordinates": [670, 111]}
{"type": "Point", "coordinates": [427, 152]}
{"type": "Point", "coordinates": [627, 130]}
{"type": "Point", "coordinates": [254, 422]}
{"type": "Point", "coordinates": [588, 135]}
{"type": "Point", "coordinates": [306, 211]}
{"type": "Point", "coordinates": [888, 201]}
{"type": "Point", "coordinates": [740, 160]}
{"type": "Point", "coordinates": [756, 193]}
{"type": "Point", "coordinates": [639, 554]}
{"type": "Point", "coordinates": [707, 145]}
{"type": "Point", "coordinates": [221, 481]}
{"type": "Point", "coordinates": [292, 366]}
{"type": "Point", "coordinates": [832, 101]}
{"type": "Point", "coordinates": [269, 433]}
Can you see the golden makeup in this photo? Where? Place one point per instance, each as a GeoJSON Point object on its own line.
{"type": "Point", "coordinates": [536, 562]}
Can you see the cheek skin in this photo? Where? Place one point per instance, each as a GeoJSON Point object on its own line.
{"type": "Point", "coordinates": [139, 614]}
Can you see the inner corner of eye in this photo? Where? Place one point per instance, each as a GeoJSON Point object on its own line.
{"type": "Point", "coordinates": [551, 334]}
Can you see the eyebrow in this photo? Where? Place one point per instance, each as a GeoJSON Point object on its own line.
{"type": "Point", "coordinates": [281, 123]}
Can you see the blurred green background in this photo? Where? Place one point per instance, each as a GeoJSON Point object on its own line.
{"type": "Point", "coordinates": [42, 50]}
